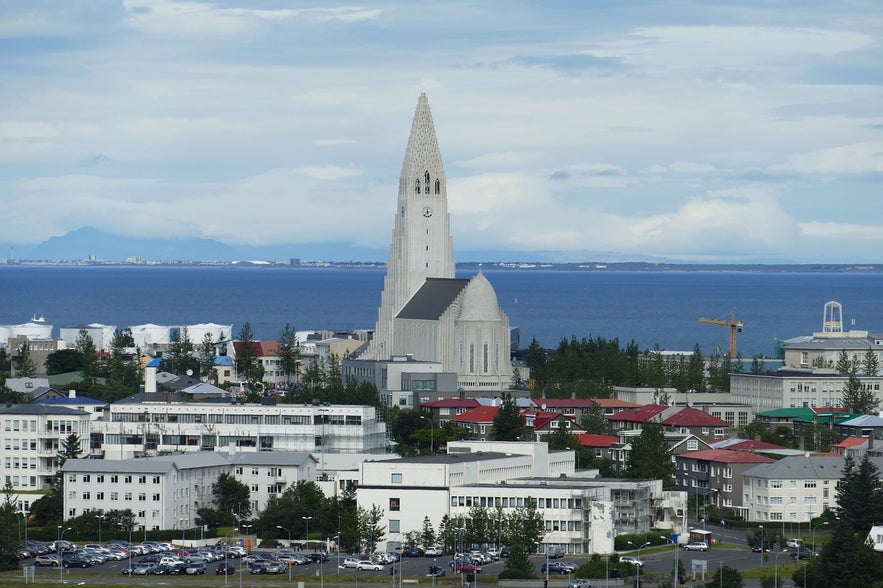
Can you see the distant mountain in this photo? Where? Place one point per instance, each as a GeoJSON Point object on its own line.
{"type": "Point", "coordinates": [90, 242]}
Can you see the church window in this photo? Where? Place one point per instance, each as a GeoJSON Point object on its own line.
{"type": "Point", "coordinates": [437, 186]}
{"type": "Point", "coordinates": [426, 178]}
{"type": "Point", "coordinates": [403, 211]}
{"type": "Point", "coordinates": [427, 247]}
{"type": "Point", "coordinates": [471, 357]}
{"type": "Point", "coordinates": [485, 358]}
{"type": "Point", "coordinates": [417, 186]}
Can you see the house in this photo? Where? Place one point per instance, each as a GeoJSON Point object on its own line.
{"type": "Point", "coordinates": [676, 419]}
{"type": "Point", "coordinates": [855, 447]}
{"type": "Point", "coordinates": [715, 475]}
{"type": "Point", "coordinates": [441, 411]}
{"type": "Point", "coordinates": [677, 443]}
{"type": "Point", "coordinates": [600, 444]}
{"type": "Point", "coordinates": [577, 407]}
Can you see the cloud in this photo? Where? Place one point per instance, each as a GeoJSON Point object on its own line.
{"type": "Point", "coordinates": [328, 172]}
{"type": "Point", "coordinates": [858, 158]}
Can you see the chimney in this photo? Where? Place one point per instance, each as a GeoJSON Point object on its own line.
{"type": "Point", "coordinates": [71, 393]}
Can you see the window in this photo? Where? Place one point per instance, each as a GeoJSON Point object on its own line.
{"type": "Point", "coordinates": [127, 480]}
{"type": "Point", "coordinates": [395, 479]}
{"type": "Point", "coordinates": [394, 504]}
{"type": "Point", "coordinates": [775, 483]}
{"type": "Point", "coordinates": [692, 445]}
{"type": "Point", "coordinates": [395, 526]}
{"type": "Point", "coordinates": [809, 484]}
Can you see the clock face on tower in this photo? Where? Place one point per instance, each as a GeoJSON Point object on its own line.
{"type": "Point", "coordinates": [427, 211]}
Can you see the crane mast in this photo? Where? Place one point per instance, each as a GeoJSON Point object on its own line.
{"type": "Point", "coordinates": [734, 325]}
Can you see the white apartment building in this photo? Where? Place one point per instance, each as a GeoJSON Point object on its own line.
{"type": "Point", "coordinates": [512, 475]}
{"type": "Point", "coordinates": [32, 436]}
{"type": "Point", "coordinates": [164, 492]}
{"type": "Point", "coordinates": [793, 489]}
{"type": "Point", "coordinates": [130, 429]}
{"type": "Point", "coordinates": [402, 380]}
{"type": "Point", "coordinates": [795, 387]}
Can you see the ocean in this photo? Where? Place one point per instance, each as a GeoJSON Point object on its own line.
{"type": "Point", "coordinates": [651, 308]}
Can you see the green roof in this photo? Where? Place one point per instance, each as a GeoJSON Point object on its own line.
{"type": "Point", "coordinates": [804, 413]}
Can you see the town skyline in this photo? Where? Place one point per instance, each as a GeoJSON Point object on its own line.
{"type": "Point", "coordinates": [676, 132]}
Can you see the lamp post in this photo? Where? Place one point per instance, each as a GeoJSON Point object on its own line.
{"type": "Point", "coordinates": [26, 514]}
{"type": "Point", "coordinates": [813, 530]}
{"type": "Point", "coordinates": [60, 558]}
{"type": "Point", "coordinates": [307, 529]}
{"type": "Point", "coordinates": [762, 545]}
{"type": "Point", "coordinates": [337, 541]}
{"type": "Point", "coordinates": [431, 433]}
{"type": "Point", "coordinates": [226, 553]}
{"type": "Point", "coordinates": [289, 547]}
{"type": "Point", "coordinates": [677, 556]}
{"type": "Point", "coordinates": [100, 518]}
{"type": "Point", "coordinates": [638, 583]}
{"type": "Point", "coordinates": [776, 574]}
{"type": "Point", "coordinates": [183, 529]}
{"type": "Point", "coordinates": [720, 575]}
{"type": "Point", "coordinates": [245, 529]}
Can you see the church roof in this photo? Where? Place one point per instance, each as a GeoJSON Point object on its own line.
{"type": "Point", "coordinates": [423, 152]}
{"type": "Point", "coordinates": [433, 298]}
{"type": "Point", "coordinates": [480, 300]}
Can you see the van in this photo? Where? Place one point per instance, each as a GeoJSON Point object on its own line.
{"type": "Point", "coordinates": [794, 543]}
{"type": "Point", "coordinates": [556, 552]}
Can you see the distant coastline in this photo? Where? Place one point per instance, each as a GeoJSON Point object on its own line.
{"type": "Point", "coordinates": [591, 266]}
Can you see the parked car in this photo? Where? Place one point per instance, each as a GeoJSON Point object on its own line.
{"type": "Point", "coordinates": [504, 552]}
{"type": "Point", "coordinates": [580, 583]}
{"type": "Point", "coordinates": [366, 564]}
{"type": "Point", "coordinates": [318, 557]}
{"type": "Point", "coordinates": [277, 567]}
{"type": "Point", "coordinates": [223, 569]}
{"type": "Point", "coordinates": [803, 553]}
{"type": "Point", "coordinates": [128, 570]}
{"type": "Point", "coordinates": [350, 562]}
{"type": "Point", "coordinates": [195, 568]}
{"type": "Point", "coordinates": [77, 561]}
{"type": "Point", "coordinates": [46, 560]}
{"type": "Point", "coordinates": [433, 551]}
{"type": "Point", "coordinates": [414, 552]}
{"type": "Point", "coordinates": [696, 546]}
{"type": "Point", "coordinates": [632, 560]}
{"type": "Point", "coordinates": [144, 569]}
{"type": "Point", "coordinates": [554, 568]}
{"type": "Point", "coordinates": [258, 567]}
{"type": "Point", "coordinates": [466, 568]}
{"type": "Point", "coordinates": [436, 571]}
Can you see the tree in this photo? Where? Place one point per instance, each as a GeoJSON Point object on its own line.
{"type": "Point", "coordinates": [206, 356]}
{"type": "Point", "coordinates": [289, 351]}
{"type": "Point", "coordinates": [757, 364]}
{"type": "Point", "coordinates": [247, 365]}
{"type": "Point", "coordinates": [518, 565]}
{"type": "Point", "coordinates": [427, 534]}
{"type": "Point", "coordinates": [508, 424]}
{"type": "Point", "coordinates": [847, 561]}
{"type": "Point", "coordinates": [63, 361]}
{"type": "Point", "coordinates": [844, 364]}
{"type": "Point", "coordinates": [696, 371]}
{"type": "Point", "coordinates": [10, 546]}
{"type": "Point", "coordinates": [370, 528]}
{"type": "Point", "coordinates": [70, 449]}
{"type": "Point", "coordinates": [25, 366]}
{"type": "Point", "coordinates": [536, 359]}
{"type": "Point", "coordinates": [859, 398]}
{"type": "Point", "coordinates": [725, 577]}
{"type": "Point", "coordinates": [88, 355]}
{"type": "Point", "coordinates": [859, 495]}
{"type": "Point", "coordinates": [232, 499]}
{"type": "Point", "coordinates": [650, 456]}
{"type": "Point", "coordinates": [871, 363]}
{"type": "Point", "coordinates": [595, 422]}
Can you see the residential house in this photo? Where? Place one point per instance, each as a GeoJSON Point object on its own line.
{"type": "Point", "coordinates": [676, 419]}
{"type": "Point", "coordinates": [715, 475]}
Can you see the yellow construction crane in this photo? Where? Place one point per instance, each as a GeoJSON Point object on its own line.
{"type": "Point", "coordinates": [735, 327]}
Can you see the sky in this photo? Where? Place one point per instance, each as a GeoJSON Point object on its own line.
{"type": "Point", "coordinates": [739, 131]}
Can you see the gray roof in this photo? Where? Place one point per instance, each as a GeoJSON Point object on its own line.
{"type": "Point", "coordinates": [270, 458]}
{"type": "Point", "coordinates": [443, 458]}
{"type": "Point", "coordinates": [148, 465]}
{"type": "Point", "coordinates": [41, 408]}
{"type": "Point", "coordinates": [866, 420]}
{"type": "Point", "coordinates": [805, 468]}
{"type": "Point", "coordinates": [433, 298]}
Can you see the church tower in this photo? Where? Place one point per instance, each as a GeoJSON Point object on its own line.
{"type": "Point", "coordinates": [421, 245]}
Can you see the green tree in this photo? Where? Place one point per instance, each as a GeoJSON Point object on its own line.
{"type": "Point", "coordinates": [525, 527]}
{"type": "Point", "coordinates": [871, 363]}
{"type": "Point", "coordinates": [536, 360]}
{"type": "Point", "coordinates": [650, 456]}
{"type": "Point", "coordinates": [427, 533]}
{"type": "Point", "coordinates": [206, 356]}
{"type": "Point", "coordinates": [63, 361]}
{"type": "Point", "coordinates": [70, 449]}
{"type": "Point", "coordinates": [595, 422]}
{"type": "Point", "coordinates": [757, 364]}
{"type": "Point", "coordinates": [725, 577]}
{"type": "Point", "coordinates": [847, 561]}
{"type": "Point", "coordinates": [231, 498]}
{"type": "Point", "coordinates": [508, 424]}
{"type": "Point", "coordinates": [371, 529]}
{"type": "Point", "coordinates": [844, 364]}
{"type": "Point", "coordinates": [124, 369]}
{"type": "Point", "coordinates": [25, 366]}
{"type": "Point", "coordinates": [860, 495]}
{"type": "Point", "coordinates": [696, 371]}
{"type": "Point", "coordinates": [289, 351]}
{"type": "Point", "coordinates": [10, 545]}
{"type": "Point", "coordinates": [247, 364]}
{"type": "Point", "coordinates": [518, 565]}
{"type": "Point", "coordinates": [88, 355]}
{"type": "Point", "coordinates": [858, 397]}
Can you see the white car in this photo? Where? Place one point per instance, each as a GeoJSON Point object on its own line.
{"type": "Point", "coordinates": [365, 564]}
{"type": "Point", "coordinates": [632, 560]}
{"type": "Point", "coordinates": [696, 546]}
{"type": "Point", "coordinates": [350, 562]}
{"type": "Point", "coordinates": [433, 551]}
{"type": "Point", "coordinates": [580, 584]}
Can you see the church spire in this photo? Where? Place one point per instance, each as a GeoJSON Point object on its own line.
{"type": "Point", "coordinates": [423, 157]}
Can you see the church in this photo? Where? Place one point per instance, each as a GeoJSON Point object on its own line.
{"type": "Point", "coordinates": [426, 312]}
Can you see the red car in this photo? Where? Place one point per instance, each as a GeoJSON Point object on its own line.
{"type": "Point", "coordinates": [467, 568]}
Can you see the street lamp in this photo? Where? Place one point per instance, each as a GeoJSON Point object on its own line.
{"type": "Point", "coordinates": [60, 559]}
{"type": "Point", "coordinates": [677, 556]}
{"type": "Point", "coordinates": [245, 529]}
{"type": "Point", "coordinates": [431, 433]}
{"type": "Point", "coordinates": [638, 583]}
{"type": "Point", "coordinates": [226, 553]}
{"type": "Point", "coordinates": [762, 545]}
{"type": "Point", "coordinates": [183, 529]}
{"type": "Point", "coordinates": [776, 575]}
{"type": "Point", "coordinates": [813, 530]}
{"type": "Point", "coordinates": [289, 547]}
{"type": "Point", "coordinates": [307, 525]}
{"type": "Point", "coordinates": [337, 540]}
{"type": "Point", "coordinates": [26, 514]}
{"type": "Point", "coordinates": [100, 518]}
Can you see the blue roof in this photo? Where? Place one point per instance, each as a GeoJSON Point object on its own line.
{"type": "Point", "coordinates": [223, 360]}
{"type": "Point", "coordinates": [156, 362]}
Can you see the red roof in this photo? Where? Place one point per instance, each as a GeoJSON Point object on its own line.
{"type": "Point", "coordinates": [480, 414]}
{"type": "Point", "coordinates": [693, 417]}
{"type": "Point", "coordinates": [727, 456]}
{"type": "Point", "coordinates": [851, 442]}
{"type": "Point", "coordinates": [615, 403]}
{"type": "Point", "coordinates": [452, 403]}
{"type": "Point", "coordinates": [638, 415]}
{"type": "Point", "coordinates": [541, 419]}
{"type": "Point", "coordinates": [591, 440]}
{"type": "Point", "coordinates": [751, 445]}
{"type": "Point", "coordinates": [263, 348]}
{"type": "Point", "coordinates": [554, 403]}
